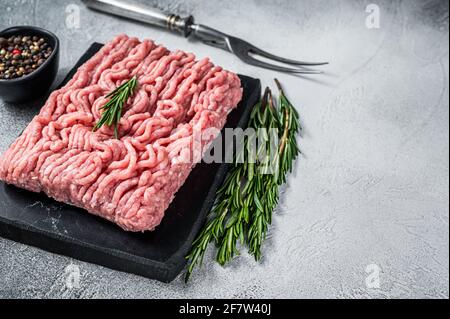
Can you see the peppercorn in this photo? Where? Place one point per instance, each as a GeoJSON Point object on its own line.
{"type": "Point", "coordinates": [21, 55]}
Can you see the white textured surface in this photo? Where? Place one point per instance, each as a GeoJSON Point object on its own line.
{"type": "Point", "coordinates": [372, 188]}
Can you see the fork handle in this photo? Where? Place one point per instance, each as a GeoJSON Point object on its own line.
{"type": "Point", "coordinates": [147, 15]}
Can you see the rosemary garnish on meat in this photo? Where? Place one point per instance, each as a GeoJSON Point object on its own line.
{"type": "Point", "coordinates": [112, 111]}
{"type": "Point", "coordinates": [250, 193]}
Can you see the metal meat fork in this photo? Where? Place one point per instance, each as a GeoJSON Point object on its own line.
{"type": "Point", "coordinates": [187, 27]}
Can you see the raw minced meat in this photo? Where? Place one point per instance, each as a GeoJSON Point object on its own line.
{"type": "Point", "coordinates": [131, 180]}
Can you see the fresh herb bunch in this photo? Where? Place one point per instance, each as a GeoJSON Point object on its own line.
{"type": "Point", "coordinates": [250, 193]}
{"type": "Point", "coordinates": [112, 111]}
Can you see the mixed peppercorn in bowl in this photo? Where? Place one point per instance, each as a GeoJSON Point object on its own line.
{"type": "Point", "coordinates": [20, 55]}
{"type": "Point", "coordinates": [29, 61]}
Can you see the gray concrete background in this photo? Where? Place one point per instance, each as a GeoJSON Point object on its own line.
{"type": "Point", "coordinates": [372, 188]}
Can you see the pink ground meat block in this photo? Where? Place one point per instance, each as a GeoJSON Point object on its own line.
{"type": "Point", "coordinates": [130, 181]}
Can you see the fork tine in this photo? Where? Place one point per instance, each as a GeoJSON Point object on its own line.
{"type": "Point", "coordinates": [242, 50]}
{"type": "Point", "coordinates": [268, 55]}
{"type": "Point", "coordinates": [250, 60]}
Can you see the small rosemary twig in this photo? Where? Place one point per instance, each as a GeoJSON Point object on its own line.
{"type": "Point", "coordinates": [113, 110]}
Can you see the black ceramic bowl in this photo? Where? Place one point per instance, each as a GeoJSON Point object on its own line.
{"type": "Point", "coordinates": [37, 83]}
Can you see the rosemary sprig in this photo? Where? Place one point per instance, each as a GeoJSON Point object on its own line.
{"type": "Point", "coordinates": [214, 229]}
{"type": "Point", "coordinates": [112, 111]}
{"type": "Point", "coordinates": [229, 216]}
{"type": "Point", "coordinates": [265, 185]}
{"type": "Point", "coordinates": [250, 193]}
{"type": "Point", "coordinates": [289, 150]}
{"type": "Point", "coordinates": [284, 157]}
